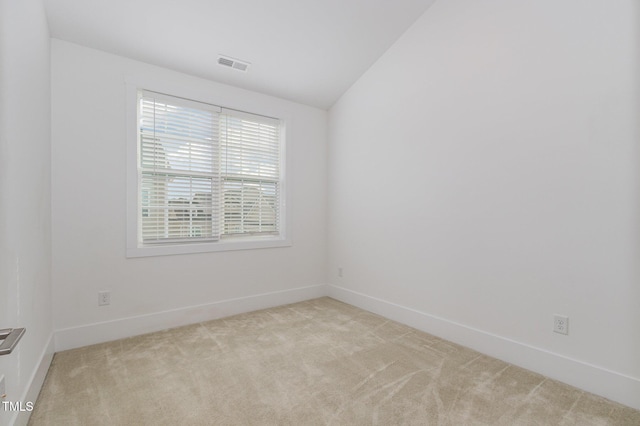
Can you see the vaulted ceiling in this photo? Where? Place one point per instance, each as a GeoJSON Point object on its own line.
{"type": "Point", "coordinates": [308, 51]}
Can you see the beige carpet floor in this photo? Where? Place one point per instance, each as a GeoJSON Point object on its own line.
{"type": "Point", "coordinates": [320, 362]}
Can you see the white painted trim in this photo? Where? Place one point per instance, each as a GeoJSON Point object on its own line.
{"type": "Point", "coordinates": [35, 383]}
{"type": "Point", "coordinates": [591, 378]}
{"type": "Point", "coordinates": [90, 334]}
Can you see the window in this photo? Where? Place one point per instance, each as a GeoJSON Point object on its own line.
{"type": "Point", "coordinates": [206, 175]}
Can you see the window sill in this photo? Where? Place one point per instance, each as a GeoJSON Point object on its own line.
{"type": "Point", "coordinates": [223, 245]}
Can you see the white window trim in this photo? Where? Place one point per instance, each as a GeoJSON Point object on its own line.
{"type": "Point", "coordinates": [134, 247]}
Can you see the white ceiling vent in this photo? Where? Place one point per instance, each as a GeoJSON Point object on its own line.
{"type": "Point", "coordinates": [236, 64]}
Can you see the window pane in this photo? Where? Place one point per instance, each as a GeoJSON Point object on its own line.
{"type": "Point", "coordinates": [177, 138]}
{"type": "Point", "coordinates": [250, 206]}
{"type": "Point", "coordinates": [179, 163]}
{"type": "Point", "coordinates": [250, 164]}
{"type": "Point", "coordinates": [177, 207]}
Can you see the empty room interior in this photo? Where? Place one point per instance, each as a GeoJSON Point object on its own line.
{"type": "Point", "coordinates": [320, 212]}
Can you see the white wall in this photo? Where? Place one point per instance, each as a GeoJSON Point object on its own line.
{"type": "Point", "coordinates": [89, 212]}
{"type": "Point", "coordinates": [483, 175]}
{"type": "Point", "coordinates": [25, 196]}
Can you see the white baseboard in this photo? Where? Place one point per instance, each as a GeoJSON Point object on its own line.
{"type": "Point", "coordinates": [90, 334]}
{"type": "Point", "coordinates": [591, 378]}
{"type": "Point", "coordinates": [35, 382]}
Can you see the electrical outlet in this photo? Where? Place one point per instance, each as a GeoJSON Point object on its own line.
{"type": "Point", "coordinates": [561, 324]}
{"type": "Point", "coordinates": [104, 298]}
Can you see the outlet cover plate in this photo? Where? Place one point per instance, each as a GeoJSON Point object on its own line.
{"type": "Point", "coordinates": [561, 324]}
{"type": "Point", "coordinates": [104, 298]}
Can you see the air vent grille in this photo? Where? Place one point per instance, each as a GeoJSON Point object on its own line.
{"type": "Point", "coordinates": [240, 66]}
{"type": "Point", "coordinates": [226, 62]}
{"type": "Point", "coordinates": [236, 64]}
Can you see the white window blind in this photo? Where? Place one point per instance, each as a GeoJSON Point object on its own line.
{"type": "Point", "coordinates": [250, 174]}
{"type": "Point", "coordinates": [205, 172]}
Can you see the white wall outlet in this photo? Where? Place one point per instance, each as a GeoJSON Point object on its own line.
{"type": "Point", "coordinates": [3, 391]}
{"type": "Point", "coordinates": [104, 298]}
{"type": "Point", "coordinates": [561, 324]}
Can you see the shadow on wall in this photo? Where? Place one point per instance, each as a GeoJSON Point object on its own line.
{"type": "Point", "coordinates": [635, 292]}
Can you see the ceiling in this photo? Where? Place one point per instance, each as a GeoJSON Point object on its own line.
{"type": "Point", "coordinates": [308, 51]}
